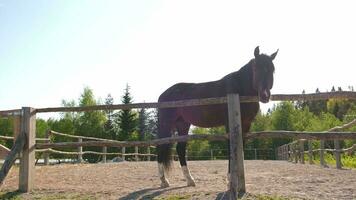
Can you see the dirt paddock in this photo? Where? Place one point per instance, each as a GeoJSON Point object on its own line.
{"type": "Point", "coordinates": [139, 180]}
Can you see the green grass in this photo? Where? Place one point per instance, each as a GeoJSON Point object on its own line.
{"type": "Point", "coordinates": [346, 160]}
{"type": "Point", "coordinates": [44, 196]}
{"type": "Point", "coordinates": [246, 197]}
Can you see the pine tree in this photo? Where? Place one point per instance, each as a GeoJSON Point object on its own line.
{"type": "Point", "coordinates": [333, 89]}
{"type": "Point", "coordinates": [142, 123]}
{"type": "Point", "coordinates": [126, 119]}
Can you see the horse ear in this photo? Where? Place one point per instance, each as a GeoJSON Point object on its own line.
{"type": "Point", "coordinates": [274, 54]}
{"type": "Point", "coordinates": [257, 51]}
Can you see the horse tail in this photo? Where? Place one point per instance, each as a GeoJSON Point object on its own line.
{"type": "Point", "coordinates": [164, 151]}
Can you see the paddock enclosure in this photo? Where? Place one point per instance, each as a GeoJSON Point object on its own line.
{"type": "Point", "coordinates": [139, 180]}
{"type": "Point", "coordinates": [266, 177]}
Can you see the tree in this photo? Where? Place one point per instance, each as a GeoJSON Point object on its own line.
{"type": "Point", "coordinates": [126, 119]}
{"type": "Point", "coordinates": [152, 124]}
{"type": "Point", "coordinates": [142, 123]}
{"type": "Point", "coordinates": [282, 119]}
{"type": "Point", "coordinates": [109, 124]}
{"type": "Point", "coordinates": [90, 123]}
{"type": "Point", "coordinates": [262, 122]}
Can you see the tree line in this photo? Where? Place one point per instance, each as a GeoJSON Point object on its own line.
{"type": "Point", "coordinates": [141, 124]}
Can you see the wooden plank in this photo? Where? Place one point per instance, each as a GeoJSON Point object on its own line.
{"type": "Point", "coordinates": [237, 171]}
{"type": "Point", "coordinates": [310, 152]}
{"type": "Point", "coordinates": [301, 151]}
{"type": "Point", "coordinates": [27, 161]}
{"type": "Point", "coordinates": [77, 137]}
{"type": "Point", "coordinates": [136, 153]}
{"type": "Point", "coordinates": [303, 135]}
{"type": "Point", "coordinates": [133, 143]}
{"type": "Point", "coordinates": [337, 154]}
{"type": "Point", "coordinates": [11, 157]}
{"type": "Point", "coordinates": [169, 104]}
{"type": "Point", "coordinates": [207, 101]}
{"type": "Point", "coordinates": [322, 146]}
{"type": "Point", "coordinates": [123, 149]}
{"type": "Point", "coordinates": [148, 152]}
{"type": "Point", "coordinates": [46, 153]}
{"type": "Point", "coordinates": [9, 113]}
{"type": "Point", "coordinates": [16, 126]}
{"type": "Point", "coordinates": [80, 151]}
{"type": "Point", "coordinates": [105, 150]}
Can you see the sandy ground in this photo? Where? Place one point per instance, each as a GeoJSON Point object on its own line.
{"type": "Point", "coordinates": [139, 180]}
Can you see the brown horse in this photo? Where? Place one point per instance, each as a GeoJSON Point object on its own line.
{"type": "Point", "coordinates": [253, 79]}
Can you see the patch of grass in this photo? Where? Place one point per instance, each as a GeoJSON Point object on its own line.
{"type": "Point", "coordinates": [15, 195]}
{"type": "Point", "coordinates": [264, 197]}
{"type": "Point", "coordinates": [174, 197]}
{"type": "Point", "coordinates": [201, 196]}
{"type": "Point", "coordinates": [346, 160]}
{"type": "Point", "coordinates": [44, 196]}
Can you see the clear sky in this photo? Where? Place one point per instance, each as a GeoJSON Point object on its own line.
{"type": "Point", "coordinates": [51, 50]}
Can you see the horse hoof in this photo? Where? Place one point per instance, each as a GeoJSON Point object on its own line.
{"type": "Point", "coordinates": [191, 183]}
{"type": "Point", "coordinates": [164, 184]}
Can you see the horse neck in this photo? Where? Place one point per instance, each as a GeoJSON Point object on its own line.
{"type": "Point", "coordinates": [241, 81]}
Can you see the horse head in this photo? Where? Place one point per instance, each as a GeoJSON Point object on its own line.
{"type": "Point", "coordinates": [263, 69]}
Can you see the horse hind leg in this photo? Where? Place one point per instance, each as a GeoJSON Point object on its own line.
{"type": "Point", "coordinates": [162, 177]}
{"type": "Point", "coordinates": [183, 129]}
{"type": "Point", "coordinates": [164, 153]}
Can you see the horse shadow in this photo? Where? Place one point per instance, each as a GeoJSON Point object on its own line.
{"type": "Point", "coordinates": [151, 193]}
{"type": "Point", "coordinates": [11, 195]}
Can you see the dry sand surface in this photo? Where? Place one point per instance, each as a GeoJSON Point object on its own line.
{"type": "Point", "coordinates": [139, 180]}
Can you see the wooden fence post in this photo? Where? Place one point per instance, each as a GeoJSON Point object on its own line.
{"type": "Point", "coordinates": [237, 173]}
{"type": "Point", "coordinates": [290, 158]}
{"type": "Point", "coordinates": [80, 151]}
{"type": "Point", "coordinates": [46, 154]}
{"type": "Point", "coordinates": [295, 152]}
{"type": "Point", "coordinates": [13, 154]}
{"type": "Point", "coordinates": [255, 154]}
{"type": "Point", "coordinates": [17, 130]}
{"type": "Point", "coordinates": [136, 153]}
{"type": "Point", "coordinates": [301, 147]}
{"type": "Point", "coordinates": [105, 150]}
{"type": "Point", "coordinates": [310, 152]}
{"type": "Point", "coordinates": [337, 154]}
{"type": "Point", "coordinates": [27, 163]}
{"type": "Point", "coordinates": [322, 146]}
{"type": "Point", "coordinates": [148, 152]}
{"type": "Point", "coordinates": [123, 149]}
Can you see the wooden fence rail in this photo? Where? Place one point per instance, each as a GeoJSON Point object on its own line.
{"type": "Point", "coordinates": [206, 101]}
{"type": "Point", "coordinates": [295, 150]}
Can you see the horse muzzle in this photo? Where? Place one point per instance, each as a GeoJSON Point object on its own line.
{"type": "Point", "coordinates": [264, 96]}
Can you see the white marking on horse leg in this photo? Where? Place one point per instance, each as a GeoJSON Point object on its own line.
{"type": "Point", "coordinates": [164, 181]}
{"type": "Point", "coordinates": [188, 176]}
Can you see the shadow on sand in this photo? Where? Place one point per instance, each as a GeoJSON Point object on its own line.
{"type": "Point", "coordinates": [149, 193]}
{"type": "Point", "coordinates": [10, 195]}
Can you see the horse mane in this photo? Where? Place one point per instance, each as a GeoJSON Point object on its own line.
{"type": "Point", "coordinates": [241, 81]}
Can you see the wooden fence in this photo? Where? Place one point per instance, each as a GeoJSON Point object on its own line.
{"type": "Point", "coordinates": [104, 152]}
{"type": "Point", "coordinates": [25, 141]}
{"type": "Point", "coordinates": [295, 150]}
